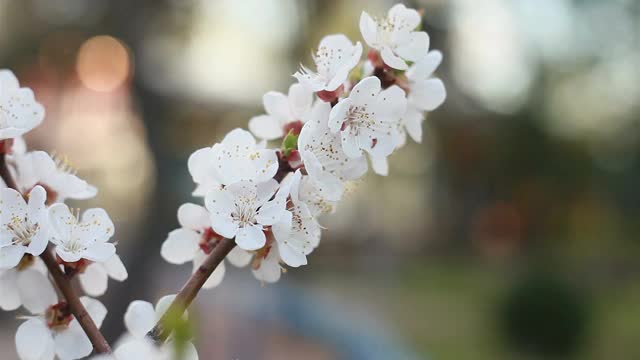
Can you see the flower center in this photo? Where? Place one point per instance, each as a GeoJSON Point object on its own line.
{"type": "Point", "coordinates": [357, 119]}
{"type": "Point", "coordinates": [22, 231]}
{"type": "Point", "coordinates": [245, 212]}
{"type": "Point", "coordinates": [59, 316]}
{"type": "Point", "coordinates": [63, 164]}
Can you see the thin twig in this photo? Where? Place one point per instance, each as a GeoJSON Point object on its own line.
{"type": "Point", "coordinates": [63, 283]}
{"type": "Point", "coordinates": [6, 174]}
{"type": "Point", "coordinates": [78, 310]}
{"type": "Point", "coordinates": [190, 289]}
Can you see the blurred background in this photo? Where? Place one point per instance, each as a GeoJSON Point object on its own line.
{"type": "Point", "coordinates": [510, 233]}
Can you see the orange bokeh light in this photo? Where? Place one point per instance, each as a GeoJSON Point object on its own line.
{"type": "Point", "coordinates": [103, 63]}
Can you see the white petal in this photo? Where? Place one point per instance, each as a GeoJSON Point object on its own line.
{"type": "Point", "coordinates": [424, 68]}
{"type": "Point", "coordinates": [94, 280]}
{"type": "Point", "coordinates": [269, 270]}
{"type": "Point", "coordinates": [100, 224]}
{"type": "Point", "coordinates": [202, 169]}
{"type": "Point", "coordinates": [428, 94]}
{"type": "Point", "coordinates": [100, 252]}
{"type": "Point", "coordinates": [277, 105]}
{"type": "Point", "coordinates": [192, 216]}
{"type": "Point", "coordinates": [116, 269]}
{"type": "Point", "coordinates": [8, 80]}
{"type": "Point", "coordinates": [368, 29]}
{"type": "Point", "coordinates": [338, 115]}
{"type": "Point", "coordinates": [412, 120]}
{"type": "Point", "coordinates": [239, 137]}
{"type": "Point", "coordinates": [265, 163]}
{"type": "Point", "coordinates": [351, 145]}
{"type": "Point", "coordinates": [291, 256]}
{"type": "Point", "coordinates": [250, 237]}
{"type": "Point", "coordinates": [61, 220]}
{"type": "Point", "coordinates": [392, 59]}
{"type": "Point", "coordinates": [72, 343]}
{"type": "Point", "coordinates": [238, 257]}
{"type": "Point", "coordinates": [9, 296]}
{"type": "Point", "coordinates": [139, 318]}
{"type": "Point", "coordinates": [271, 212]}
{"type": "Point", "coordinates": [13, 206]}
{"type": "Point", "coordinates": [36, 292]}
{"type": "Point", "coordinates": [95, 308]}
{"type": "Point", "coordinates": [32, 339]}
{"type": "Point", "coordinates": [380, 165]}
{"type": "Point", "coordinates": [403, 17]}
{"type": "Point", "coordinates": [416, 48]}
{"type": "Point", "coordinates": [365, 91]}
{"type": "Point", "coordinates": [181, 246]}
{"type": "Point", "coordinates": [300, 100]}
{"type": "Point", "coordinates": [266, 127]}
{"type": "Point", "coordinates": [11, 255]}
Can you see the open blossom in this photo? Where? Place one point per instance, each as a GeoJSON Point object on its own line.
{"type": "Point", "coordinates": [84, 238]}
{"type": "Point", "coordinates": [335, 58]}
{"type": "Point", "coordinates": [236, 158]}
{"type": "Point", "coordinates": [26, 285]}
{"type": "Point", "coordinates": [367, 119]}
{"type": "Point", "coordinates": [24, 227]}
{"type": "Point", "coordinates": [19, 111]}
{"type": "Point", "coordinates": [243, 210]}
{"type": "Point", "coordinates": [55, 332]}
{"type": "Point", "coordinates": [426, 93]}
{"type": "Point", "coordinates": [284, 113]}
{"type": "Point", "coordinates": [54, 174]}
{"type": "Point", "coordinates": [95, 277]}
{"type": "Point", "coordinates": [195, 239]}
{"type": "Point", "coordinates": [298, 233]}
{"type": "Point", "coordinates": [394, 37]}
{"type": "Point", "coordinates": [140, 318]}
{"type": "Point", "coordinates": [324, 158]}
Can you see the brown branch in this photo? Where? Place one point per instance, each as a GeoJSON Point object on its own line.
{"type": "Point", "coordinates": [78, 310]}
{"type": "Point", "coordinates": [63, 283]}
{"type": "Point", "coordinates": [190, 289]}
{"type": "Point", "coordinates": [6, 174]}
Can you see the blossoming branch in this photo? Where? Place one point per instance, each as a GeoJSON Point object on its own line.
{"type": "Point", "coordinates": [260, 193]}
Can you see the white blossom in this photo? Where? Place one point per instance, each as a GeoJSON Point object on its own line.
{"type": "Point", "coordinates": [322, 152]}
{"type": "Point", "coordinates": [19, 111]}
{"type": "Point", "coordinates": [236, 158]}
{"type": "Point", "coordinates": [284, 112]}
{"type": "Point", "coordinates": [24, 227]}
{"type": "Point", "coordinates": [56, 175]}
{"type": "Point", "coordinates": [266, 263]}
{"type": "Point", "coordinates": [298, 233]}
{"type": "Point", "coordinates": [335, 58]}
{"type": "Point", "coordinates": [426, 93]}
{"type": "Point", "coordinates": [95, 277]}
{"type": "Point", "coordinates": [55, 332]}
{"type": "Point", "coordinates": [367, 119]}
{"type": "Point", "coordinates": [243, 210]}
{"type": "Point", "coordinates": [394, 36]}
{"type": "Point", "coordinates": [85, 238]}
{"type": "Point", "coordinates": [139, 319]}
{"type": "Point", "coordinates": [26, 285]}
{"type": "Point", "coordinates": [195, 239]}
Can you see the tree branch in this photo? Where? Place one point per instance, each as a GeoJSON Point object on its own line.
{"type": "Point", "coordinates": [6, 174]}
{"type": "Point", "coordinates": [78, 310]}
{"type": "Point", "coordinates": [190, 289]}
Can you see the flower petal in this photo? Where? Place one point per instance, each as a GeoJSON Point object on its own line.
{"type": "Point", "coordinates": [216, 277]}
{"type": "Point", "coordinates": [94, 279]}
{"type": "Point", "coordinates": [181, 246]}
{"type": "Point", "coordinates": [35, 291]}
{"type": "Point", "coordinates": [428, 94]}
{"type": "Point", "coordinates": [32, 339]}
{"type": "Point", "coordinates": [9, 296]}
{"type": "Point", "coordinates": [139, 318]}
{"type": "Point", "coordinates": [266, 127]}
{"type": "Point", "coordinates": [72, 343]}
{"type": "Point", "coordinates": [392, 59]}
{"type": "Point", "coordinates": [239, 258]}
{"type": "Point", "coordinates": [10, 255]}
{"type": "Point", "coordinates": [100, 252]}
{"type": "Point", "coordinates": [250, 237]}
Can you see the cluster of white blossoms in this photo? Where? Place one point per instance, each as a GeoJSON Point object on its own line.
{"type": "Point", "coordinates": [344, 113]}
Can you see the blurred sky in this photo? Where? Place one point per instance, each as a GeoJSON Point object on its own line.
{"type": "Point", "coordinates": [511, 232]}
